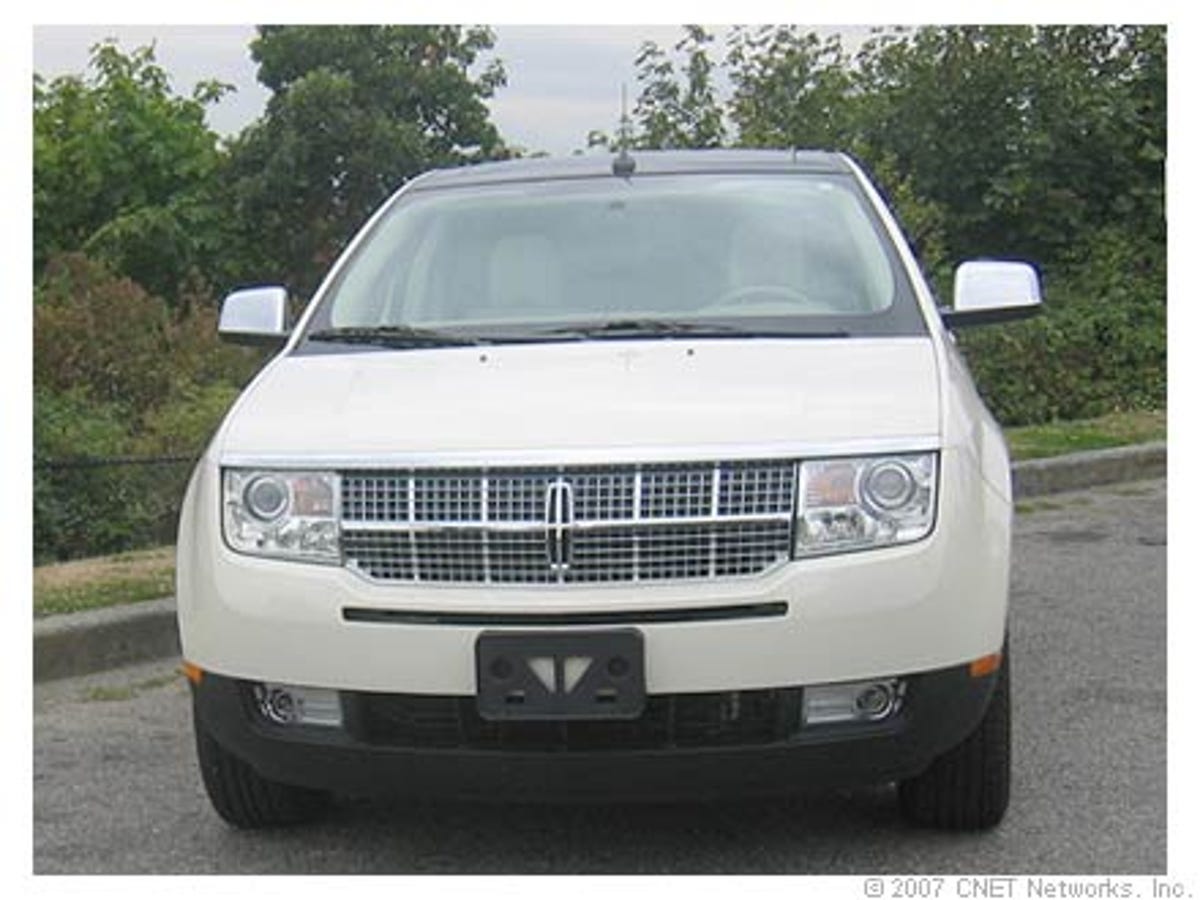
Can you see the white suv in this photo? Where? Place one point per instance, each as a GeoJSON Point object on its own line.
{"type": "Point", "coordinates": [582, 478]}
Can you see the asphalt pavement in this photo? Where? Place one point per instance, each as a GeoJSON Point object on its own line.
{"type": "Point", "coordinates": [116, 788]}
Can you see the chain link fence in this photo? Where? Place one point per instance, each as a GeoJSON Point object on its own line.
{"type": "Point", "coordinates": [99, 505]}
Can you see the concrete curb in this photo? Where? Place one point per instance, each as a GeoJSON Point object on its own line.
{"type": "Point", "coordinates": [80, 643]}
{"type": "Point", "coordinates": [1091, 468]}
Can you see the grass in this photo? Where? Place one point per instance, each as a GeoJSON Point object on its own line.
{"type": "Point", "coordinates": [1044, 504]}
{"type": "Point", "coordinates": [118, 693]}
{"type": "Point", "coordinates": [150, 574]}
{"type": "Point", "coordinates": [103, 581]}
{"type": "Point", "coordinates": [1113, 430]}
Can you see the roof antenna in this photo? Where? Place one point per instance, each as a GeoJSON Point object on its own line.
{"type": "Point", "coordinates": [623, 165]}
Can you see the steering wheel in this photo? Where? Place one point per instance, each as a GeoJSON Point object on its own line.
{"type": "Point", "coordinates": [749, 292]}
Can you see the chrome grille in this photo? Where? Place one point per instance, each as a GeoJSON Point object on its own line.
{"type": "Point", "coordinates": [621, 523]}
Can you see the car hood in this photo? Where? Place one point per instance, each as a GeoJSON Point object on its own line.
{"type": "Point", "coordinates": [602, 400]}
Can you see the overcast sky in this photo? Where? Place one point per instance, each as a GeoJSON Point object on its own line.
{"type": "Point", "coordinates": [563, 80]}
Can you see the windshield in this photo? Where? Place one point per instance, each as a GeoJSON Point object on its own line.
{"type": "Point", "coordinates": [763, 254]}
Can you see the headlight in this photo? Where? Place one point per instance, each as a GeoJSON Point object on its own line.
{"type": "Point", "coordinates": [284, 514]}
{"type": "Point", "coordinates": [854, 504]}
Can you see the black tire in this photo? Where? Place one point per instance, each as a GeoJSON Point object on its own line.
{"type": "Point", "coordinates": [245, 799]}
{"type": "Point", "coordinates": [967, 787]}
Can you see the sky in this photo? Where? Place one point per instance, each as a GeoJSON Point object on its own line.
{"type": "Point", "coordinates": [563, 80]}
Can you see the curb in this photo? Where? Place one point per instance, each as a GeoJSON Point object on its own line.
{"type": "Point", "coordinates": [98, 639]}
{"type": "Point", "coordinates": [81, 643]}
{"type": "Point", "coordinates": [1090, 468]}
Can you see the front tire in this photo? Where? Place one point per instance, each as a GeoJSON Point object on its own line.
{"type": "Point", "coordinates": [245, 799]}
{"type": "Point", "coordinates": [967, 787]}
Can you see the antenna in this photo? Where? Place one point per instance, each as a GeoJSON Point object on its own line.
{"type": "Point", "coordinates": [623, 129]}
{"type": "Point", "coordinates": [623, 165]}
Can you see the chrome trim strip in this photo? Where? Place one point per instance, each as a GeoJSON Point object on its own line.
{"type": "Point", "coordinates": [587, 456]}
{"type": "Point", "coordinates": [540, 527]}
{"type": "Point", "coordinates": [637, 515]}
{"type": "Point", "coordinates": [413, 556]}
{"type": "Point", "coordinates": [483, 520]}
{"type": "Point", "coordinates": [714, 507]}
{"type": "Point", "coordinates": [524, 587]}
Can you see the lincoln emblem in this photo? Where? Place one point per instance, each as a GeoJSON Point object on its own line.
{"type": "Point", "coordinates": [560, 513]}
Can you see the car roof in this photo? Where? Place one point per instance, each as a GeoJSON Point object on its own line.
{"type": "Point", "coordinates": [647, 162]}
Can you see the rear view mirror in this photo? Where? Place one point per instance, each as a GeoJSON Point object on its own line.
{"type": "Point", "coordinates": [989, 291]}
{"type": "Point", "coordinates": [255, 315]}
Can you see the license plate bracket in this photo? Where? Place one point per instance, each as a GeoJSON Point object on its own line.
{"type": "Point", "coordinates": [563, 675]}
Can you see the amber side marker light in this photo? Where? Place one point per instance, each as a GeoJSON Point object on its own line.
{"type": "Point", "coordinates": [986, 665]}
{"type": "Point", "coordinates": [191, 672]}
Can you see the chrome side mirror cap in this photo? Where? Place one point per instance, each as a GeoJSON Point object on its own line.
{"type": "Point", "coordinates": [256, 315]}
{"type": "Point", "coordinates": [988, 291]}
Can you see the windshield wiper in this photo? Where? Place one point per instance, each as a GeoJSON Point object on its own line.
{"type": "Point", "coordinates": [619, 328]}
{"type": "Point", "coordinates": [394, 336]}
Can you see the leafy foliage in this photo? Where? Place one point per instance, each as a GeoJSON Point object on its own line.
{"type": "Point", "coordinates": [356, 112]}
{"type": "Point", "coordinates": [1028, 137]}
{"type": "Point", "coordinates": [673, 114]}
{"type": "Point", "coordinates": [125, 169]}
{"type": "Point", "coordinates": [118, 372]}
{"type": "Point", "coordinates": [678, 106]}
{"type": "Point", "coordinates": [105, 335]}
{"type": "Point", "coordinates": [791, 88]}
{"type": "Point", "coordinates": [102, 333]}
{"type": "Point", "coordinates": [1100, 347]}
{"type": "Point", "coordinates": [66, 501]}
{"type": "Point", "coordinates": [184, 425]}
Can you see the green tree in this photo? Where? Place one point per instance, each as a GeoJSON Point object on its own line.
{"type": "Point", "coordinates": [124, 169]}
{"type": "Point", "coordinates": [677, 106]}
{"type": "Point", "coordinates": [794, 88]}
{"type": "Point", "coordinates": [791, 88]}
{"type": "Point", "coordinates": [355, 112]}
{"type": "Point", "coordinates": [1027, 137]}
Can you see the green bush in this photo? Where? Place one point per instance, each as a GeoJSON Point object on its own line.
{"type": "Point", "coordinates": [119, 373]}
{"type": "Point", "coordinates": [186, 422]}
{"type": "Point", "coordinates": [83, 510]}
{"type": "Point", "coordinates": [1101, 345]}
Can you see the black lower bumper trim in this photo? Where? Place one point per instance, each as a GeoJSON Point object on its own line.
{"type": "Point", "coordinates": [940, 708]}
{"type": "Point", "coordinates": [667, 722]}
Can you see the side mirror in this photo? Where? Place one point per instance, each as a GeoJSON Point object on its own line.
{"type": "Point", "coordinates": [255, 315]}
{"type": "Point", "coordinates": [989, 291]}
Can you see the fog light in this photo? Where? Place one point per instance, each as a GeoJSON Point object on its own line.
{"type": "Point", "coordinates": [856, 701]}
{"type": "Point", "coordinates": [286, 704]}
{"type": "Point", "coordinates": [874, 701]}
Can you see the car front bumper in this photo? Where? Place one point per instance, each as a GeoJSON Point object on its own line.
{"type": "Point", "coordinates": [939, 709]}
